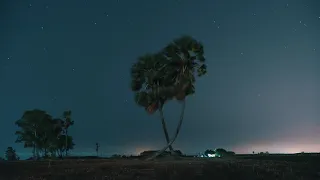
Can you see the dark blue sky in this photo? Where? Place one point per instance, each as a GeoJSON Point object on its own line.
{"type": "Point", "coordinates": [261, 91]}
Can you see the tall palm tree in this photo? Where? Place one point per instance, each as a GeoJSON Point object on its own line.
{"type": "Point", "coordinates": [168, 74]}
{"type": "Point", "coordinates": [186, 56]}
{"type": "Point", "coordinates": [144, 81]}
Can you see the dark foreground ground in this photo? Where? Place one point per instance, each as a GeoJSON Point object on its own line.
{"type": "Point", "coordinates": [165, 169]}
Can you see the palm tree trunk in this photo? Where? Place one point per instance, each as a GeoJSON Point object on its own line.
{"type": "Point", "coordinates": [34, 151]}
{"type": "Point", "coordinates": [175, 136]}
{"type": "Point", "coordinates": [164, 127]}
{"type": "Point", "coordinates": [35, 146]}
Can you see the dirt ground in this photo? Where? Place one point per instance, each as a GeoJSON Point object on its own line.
{"type": "Point", "coordinates": [183, 169]}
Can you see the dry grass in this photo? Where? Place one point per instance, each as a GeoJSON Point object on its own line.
{"type": "Point", "coordinates": [184, 169]}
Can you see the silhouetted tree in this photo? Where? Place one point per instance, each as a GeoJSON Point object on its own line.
{"type": "Point", "coordinates": [116, 156]}
{"type": "Point", "coordinates": [67, 123]}
{"type": "Point", "coordinates": [11, 155]}
{"type": "Point", "coordinates": [97, 148]}
{"type": "Point", "coordinates": [222, 152]}
{"type": "Point", "coordinates": [59, 145]}
{"type": "Point", "coordinates": [32, 129]}
{"type": "Point", "coordinates": [230, 153]}
{"type": "Point", "coordinates": [166, 75]}
{"type": "Point", "coordinates": [44, 134]}
{"type": "Point", "coordinates": [144, 80]}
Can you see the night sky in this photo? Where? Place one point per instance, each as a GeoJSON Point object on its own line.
{"type": "Point", "coordinates": [261, 92]}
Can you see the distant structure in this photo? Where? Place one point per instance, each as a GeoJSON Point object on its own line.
{"type": "Point", "coordinates": [97, 148]}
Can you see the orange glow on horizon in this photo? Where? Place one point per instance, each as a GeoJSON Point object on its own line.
{"type": "Point", "coordinates": [286, 147]}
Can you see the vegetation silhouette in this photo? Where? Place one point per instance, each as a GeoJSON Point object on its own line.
{"type": "Point", "coordinates": [39, 131]}
{"type": "Point", "coordinates": [11, 155]}
{"type": "Point", "coordinates": [167, 75]}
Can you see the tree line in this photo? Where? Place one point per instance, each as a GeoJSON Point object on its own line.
{"type": "Point", "coordinates": [45, 135]}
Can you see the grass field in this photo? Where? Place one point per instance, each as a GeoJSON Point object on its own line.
{"type": "Point", "coordinates": [245, 167]}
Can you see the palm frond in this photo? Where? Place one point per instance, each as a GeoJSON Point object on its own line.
{"type": "Point", "coordinates": [169, 73]}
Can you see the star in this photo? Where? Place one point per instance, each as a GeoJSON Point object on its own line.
{"type": "Point", "coordinates": [73, 69]}
{"type": "Point", "coordinates": [42, 27]}
{"type": "Point", "coordinates": [259, 95]}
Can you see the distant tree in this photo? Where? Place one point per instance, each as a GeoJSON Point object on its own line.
{"type": "Point", "coordinates": [11, 155]}
{"type": "Point", "coordinates": [230, 153]}
{"type": "Point", "coordinates": [43, 133]}
{"type": "Point", "coordinates": [32, 132]}
{"type": "Point", "coordinates": [59, 145]}
{"type": "Point", "coordinates": [264, 153]}
{"type": "Point", "coordinates": [57, 139]}
{"type": "Point", "coordinates": [221, 151]}
{"type": "Point", "coordinates": [97, 148]}
{"type": "Point", "coordinates": [67, 123]}
{"type": "Point", "coordinates": [116, 156]}
{"type": "Point", "coordinates": [169, 74]}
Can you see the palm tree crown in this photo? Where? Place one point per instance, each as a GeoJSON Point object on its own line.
{"type": "Point", "coordinates": [168, 74]}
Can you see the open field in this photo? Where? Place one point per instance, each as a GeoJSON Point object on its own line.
{"type": "Point", "coordinates": [239, 168]}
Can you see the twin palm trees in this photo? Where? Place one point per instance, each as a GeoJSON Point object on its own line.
{"type": "Point", "coordinates": [158, 78]}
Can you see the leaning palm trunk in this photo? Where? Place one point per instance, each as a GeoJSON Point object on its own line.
{"type": "Point", "coordinates": [66, 142]}
{"type": "Point", "coordinates": [164, 127]}
{"type": "Point", "coordinates": [175, 136]}
{"type": "Point", "coordinates": [35, 152]}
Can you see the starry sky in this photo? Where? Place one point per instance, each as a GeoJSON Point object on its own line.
{"type": "Point", "coordinates": [261, 92]}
